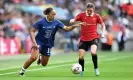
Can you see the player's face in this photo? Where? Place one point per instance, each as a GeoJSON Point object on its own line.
{"type": "Point", "coordinates": [90, 11]}
{"type": "Point", "coordinates": [51, 15]}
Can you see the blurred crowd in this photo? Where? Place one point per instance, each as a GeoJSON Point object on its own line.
{"type": "Point", "coordinates": [117, 15]}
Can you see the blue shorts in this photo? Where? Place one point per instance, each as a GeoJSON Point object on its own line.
{"type": "Point", "coordinates": [44, 50]}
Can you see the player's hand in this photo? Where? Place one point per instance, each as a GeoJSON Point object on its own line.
{"type": "Point", "coordinates": [35, 46]}
{"type": "Point", "coordinates": [71, 21]}
{"type": "Point", "coordinates": [103, 36]}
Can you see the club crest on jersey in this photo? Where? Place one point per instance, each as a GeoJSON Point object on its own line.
{"type": "Point", "coordinates": [51, 27]}
{"type": "Point", "coordinates": [94, 19]}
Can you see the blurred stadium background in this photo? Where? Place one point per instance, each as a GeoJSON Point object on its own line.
{"type": "Point", "coordinates": [17, 16]}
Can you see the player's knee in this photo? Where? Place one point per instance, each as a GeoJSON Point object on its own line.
{"type": "Point", "coordinates": [81, 57]}
{"type": "Point", "coordinates": [93, 53]}
{"type": "Point", "coordinates": [44, 64]}
{"type": "Point", "coordinates": [81, 53]}
{"type": "Point", "coordinates": [93, 49]}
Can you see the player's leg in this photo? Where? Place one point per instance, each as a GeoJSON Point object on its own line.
{"type": "Point", "coordinates": [40, 50]}
{"type": "Point", "coordinates": [94, 55]}
{"type": "Point", "coordinates": [83, 47]}
{"type": "Point", "coordinates": [39, 59]}
{"type": "Point", "coordinates": [44, 60]}
{"type": "Point", "coordinates": [93, 50]}
{"type": "Point", "coordinates": [33, 57]}
{"type": "Point", "coordinates": [45, 54]}
{"type": "Point", "coordinates": [81, 59]}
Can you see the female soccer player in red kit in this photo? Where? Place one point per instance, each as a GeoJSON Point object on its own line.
{"type": "Point", "coordinates": [89, 37]}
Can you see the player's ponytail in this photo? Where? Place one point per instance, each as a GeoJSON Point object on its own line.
{"type": "Point", "coordinates": [47, 10]}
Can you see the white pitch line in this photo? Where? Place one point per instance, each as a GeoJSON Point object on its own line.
{"type": "Point", "coordinates": [38, 69]}
{"type": "Point", "coordinates": [57, 62]}
{"type": "Point", "coordinates": [109, 59]}
{"type": "Point", "coordinates": [15, 67]}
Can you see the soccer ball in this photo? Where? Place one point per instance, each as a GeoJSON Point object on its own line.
{"type": "Point", "coordinates": [76, 68]}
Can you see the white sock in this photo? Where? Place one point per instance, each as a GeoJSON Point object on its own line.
{"type": "Point", "coordinates": [22, 70]}
{"type": "Point", "coordinates": [96, 69]}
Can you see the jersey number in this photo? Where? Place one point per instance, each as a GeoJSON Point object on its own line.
{"type": "Point", "coordinates": [47, 33]}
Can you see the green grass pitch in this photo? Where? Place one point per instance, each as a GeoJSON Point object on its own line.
{"type": "Point", "coordinates": [112, 66]}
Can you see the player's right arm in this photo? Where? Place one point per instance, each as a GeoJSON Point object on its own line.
{"type": "Point", "coordinates": [33, 29]}
{"type": "Point", "coordinates": [76, 19]}
{"type": "Point", "coordinates": [32, 35]}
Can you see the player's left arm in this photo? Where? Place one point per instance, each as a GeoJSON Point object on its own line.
{"type": "Point", "coordinates": [100, 21]}
{"type": "Point", "coordinates": [67, 28]}
{"type": "Point", "coordinates": [103, 30]}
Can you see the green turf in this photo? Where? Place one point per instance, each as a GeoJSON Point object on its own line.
{"type": "Point", "coordinates": [112, 66]}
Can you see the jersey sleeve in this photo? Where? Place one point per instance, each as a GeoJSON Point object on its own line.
{"type": "Point", "coordinates": [78, 17]}
{"type": "Point", "coordinates": [36, 25]}
{"type": "Point", "coordinates": [99, 19]}
{"type": "Point", "coordinates": [60, 24]}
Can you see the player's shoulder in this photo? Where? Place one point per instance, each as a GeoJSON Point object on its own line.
{"type": "Point", "coordinates": [81, 13]}
{"type": "Point", "coordinates": [40, 20]}
{"type": "Point", "coordinates": [57, 21]}
{"type": "Point", "coordinates": [96, 14]}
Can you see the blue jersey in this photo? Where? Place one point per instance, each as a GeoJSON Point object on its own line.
{"type": "Point", "coordinates": [46, 31]}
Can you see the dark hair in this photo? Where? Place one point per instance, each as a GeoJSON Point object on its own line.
{"type": "Point", "coordinates": [47, 10]}
{"type": "Point", "coordinates": [90, 5]}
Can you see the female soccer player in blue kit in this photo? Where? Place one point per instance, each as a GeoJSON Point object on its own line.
{"type": "Point", "coordinates": [44, 40]}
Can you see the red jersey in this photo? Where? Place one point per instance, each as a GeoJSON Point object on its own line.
{"type": "Point", "coordinates": [89, 28]}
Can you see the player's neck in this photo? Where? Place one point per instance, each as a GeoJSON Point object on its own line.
{"type": "Point", "coordinates": [48, 19]}
{"type": "Point", "coordinates": [88, 14]}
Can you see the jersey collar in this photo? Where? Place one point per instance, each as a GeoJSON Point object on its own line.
{"type": "Point", "coordinates": [48, 20]}
{"type": "Point", "coordinates": [88, 15]}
